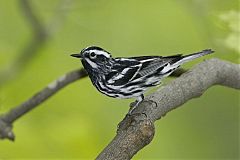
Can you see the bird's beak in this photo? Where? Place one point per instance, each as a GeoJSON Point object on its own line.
{"type": "Point", "coordinates": [76, 55]}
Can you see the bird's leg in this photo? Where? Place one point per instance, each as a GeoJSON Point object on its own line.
{"type": "Point", "coordinates": [133, 105]}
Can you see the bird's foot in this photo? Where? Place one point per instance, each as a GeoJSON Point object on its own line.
{"type": "Point", "coordinates": [133, 106]}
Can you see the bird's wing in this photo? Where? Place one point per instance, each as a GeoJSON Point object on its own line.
{"type": "Point", "coordinates": [122, 71]}
{"type": "Point", "coordinates": [126, 70]}
{"type": "Point", "coordinates": [154, 64]}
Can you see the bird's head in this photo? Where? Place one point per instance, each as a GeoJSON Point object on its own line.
{"type": "Point", "coordinates": [94, 58]}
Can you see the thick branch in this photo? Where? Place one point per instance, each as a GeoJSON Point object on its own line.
{"type": "Point", "coordinates": [137, 130]}
{"type": "Point", "coordinates": [7, 119]}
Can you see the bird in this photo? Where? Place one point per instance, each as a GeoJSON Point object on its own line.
{"type": "Point", "coordinates": [129, 77]}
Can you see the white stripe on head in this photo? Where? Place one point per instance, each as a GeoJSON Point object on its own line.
{"type": "Point", "coordinates": [92, 64]}
{"type": "Point", "coordinates": [97, 52]}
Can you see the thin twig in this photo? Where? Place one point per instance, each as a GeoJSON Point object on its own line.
{"type": "Point", "coordinates": [40, 35]}
{"type": "Point", "coordinates": [7, 119]}
{"type": "Point", "coordinates": [37, 41]}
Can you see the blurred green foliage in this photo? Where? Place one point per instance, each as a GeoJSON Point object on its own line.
{"type": "Point", "coordinates": [78, 122]}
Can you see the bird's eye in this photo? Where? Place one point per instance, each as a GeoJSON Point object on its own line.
{"type": "Point", "coordinates": [92, 55]}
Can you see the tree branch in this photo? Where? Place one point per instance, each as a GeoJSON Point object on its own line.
{"type": "Point", "coordinates": [137, 130]}
{"type": "Point", "coordinates": [7, 119]}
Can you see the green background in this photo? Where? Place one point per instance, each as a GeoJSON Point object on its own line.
{"type": "Point", "coordinates": [78, 122]}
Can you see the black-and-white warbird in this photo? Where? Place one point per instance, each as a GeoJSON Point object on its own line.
{"type": "Point", "coordinates": [129, 77]}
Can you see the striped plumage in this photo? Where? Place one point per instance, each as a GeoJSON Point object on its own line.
{"type": "Point", "coordinates": [129, 77]}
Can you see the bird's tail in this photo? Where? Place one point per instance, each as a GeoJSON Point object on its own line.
{"type": "Point", "coordinates": [193, 56]}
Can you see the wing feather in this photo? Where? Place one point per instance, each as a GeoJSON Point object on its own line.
{"type": "Point", "coordinates": [123, 75]}
{"type": "Point", "coordinates": [127, 70]}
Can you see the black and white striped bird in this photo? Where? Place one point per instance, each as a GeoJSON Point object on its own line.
{"type": "Point", "coordinates": [129, 77]}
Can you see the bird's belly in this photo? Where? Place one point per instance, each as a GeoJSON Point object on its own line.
{"type": "Point", "coordinates": [119, 91]}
